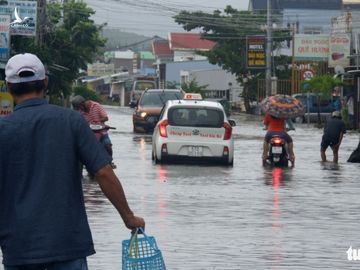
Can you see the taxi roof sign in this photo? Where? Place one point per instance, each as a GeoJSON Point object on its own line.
{"type": "Point", "coordinates": [192, 96]}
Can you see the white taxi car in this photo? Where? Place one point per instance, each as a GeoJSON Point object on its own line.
{"type": "Point", "coordinates": [193, 130]}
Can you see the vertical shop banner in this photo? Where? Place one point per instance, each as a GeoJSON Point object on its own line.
{"type": "Point", "coordinates": [6, 103]}
{"type": "Point", "coordinates": [255, 52]}
{"type": "Point", "coordinates": [23, 17]}
{"type": "Point", "coordinates": [311, 47]}
{"type": "Point", "coordinates": [339, 50]}
{"type": "Point", "coordinates": [4, 37]}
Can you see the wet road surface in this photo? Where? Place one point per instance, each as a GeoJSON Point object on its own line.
{"type": "Point", "coordinates": [241, 217]}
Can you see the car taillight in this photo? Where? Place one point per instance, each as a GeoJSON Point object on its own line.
{"type": "Point", "coordinates": [277, 141]}
{"type": "Point", "coordinates": [162, 128]}
{"type": "Point", "coordinates": [228, 131]}
{"type": "Point", "coordinates": [226, 151]}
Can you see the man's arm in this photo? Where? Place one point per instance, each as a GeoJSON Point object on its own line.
{"type": "Point", "coordinates": [112, 188]}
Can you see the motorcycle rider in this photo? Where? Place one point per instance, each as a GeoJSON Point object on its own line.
{"type": "Point", "coordinates": [276, 126]}
{"type": "Point", "coordinates": [95, 114]}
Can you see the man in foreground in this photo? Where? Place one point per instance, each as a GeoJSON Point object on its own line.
{"type": "Point", "coordinates": [333, 133]}
{"type": "Point", "coordinates": [43, 222]}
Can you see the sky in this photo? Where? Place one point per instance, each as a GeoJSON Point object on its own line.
{"type": "Point", "coordinates": [152, 17]}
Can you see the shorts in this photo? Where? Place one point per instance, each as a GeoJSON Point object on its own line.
{"type": "Point", "coordinates": [326, 142]}
{"type": "Point", "coordinates": [78, 264]}
{"type": "Point", "coordinates": [281, 134]}
{"type": "Point", "coordinates": [105, 139]}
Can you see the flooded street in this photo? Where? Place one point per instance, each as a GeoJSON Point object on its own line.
{"type": "Point", "coordinates": [240, 217]}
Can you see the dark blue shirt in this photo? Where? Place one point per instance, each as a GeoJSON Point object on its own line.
{"type": "Point", "coordinates": [42, 210]}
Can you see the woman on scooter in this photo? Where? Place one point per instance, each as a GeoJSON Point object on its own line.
{"type": "Point", "coordinates": [276, 126]}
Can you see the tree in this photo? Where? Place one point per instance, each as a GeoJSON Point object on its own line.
{"type": "Point", "coordinates": [71, 41]}
{"type": "Point", "coordinates": [193, 87]}
{"type": "Point", "coordinates": [229, 30]}
{"type": "Point", "coordinates": [323, 87]}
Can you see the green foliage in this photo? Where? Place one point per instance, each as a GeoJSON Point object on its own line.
{"type": "Point", "coordinates": [323, 85]}
{"type": "Point", "coordinates": [193, 87]}
{"type": "Point", "coordinates": [71, 40]}
{"type": "Point", "coordinates": [172, 85]}
{"type": "Point", "coordinates": [86, 93]}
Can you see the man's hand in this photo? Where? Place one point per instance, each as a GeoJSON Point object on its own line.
{"type": "Point", "coordinates": [133, 222]}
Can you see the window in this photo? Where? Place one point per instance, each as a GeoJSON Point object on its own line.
{"type": "Point", "coordinates": [196, 117]}
{"type": "Point", "coordinates": [158, 99]}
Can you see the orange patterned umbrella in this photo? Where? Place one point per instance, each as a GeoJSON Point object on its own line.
{"type": "Point", "coordinates": [282, 106]}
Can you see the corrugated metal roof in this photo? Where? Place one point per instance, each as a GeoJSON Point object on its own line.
{"type": "Point", "coordinates": [161, 48]}
{"type": "Point", "coordinates": [124, 54]}
{"type": "Point", "coordinates": [144, 55]}
{"type": "Point", "coordinates": [189, 41]}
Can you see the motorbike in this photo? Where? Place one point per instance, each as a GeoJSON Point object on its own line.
{"type": "Point", "coordinates": [278, 155]}
{"type": "Point", "coordinates": [98, 129]}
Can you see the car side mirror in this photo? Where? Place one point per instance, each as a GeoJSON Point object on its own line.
{"type": "Point", "coordinates": [133, 104]}
{"type": "Point", "coordinates": [232, 122]}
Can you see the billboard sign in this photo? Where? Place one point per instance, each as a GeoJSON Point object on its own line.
{"type": "Point", "coordinates": [23, 17]}
{"type": "Point", "coordinates": [4, 37]}
{"type": "Point", "coordinates": [311, 47]}
{"type": "Point", "coordinates": [339, 50]}
{"type": "Point", "coordinates": [255, 51]}
{"type": "Point", "coordinates": [6, 103]}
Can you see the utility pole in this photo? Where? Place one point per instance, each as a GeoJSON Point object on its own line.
{"type": "Point", "coordinates": [268, 49]}
{"type": "Point", "coordinates": [41, 22]}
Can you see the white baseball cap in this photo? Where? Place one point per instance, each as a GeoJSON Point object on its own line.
{"type": "Point", "coordinates": [24, 67]}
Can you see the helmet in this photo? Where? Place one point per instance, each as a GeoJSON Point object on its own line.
{"type": "Point", "coordinates": [336, 114]}
{"type": "Point", "coordinates": [77, 101]}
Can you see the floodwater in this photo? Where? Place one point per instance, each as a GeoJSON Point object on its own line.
{"type": "Point", "coordinates": [240, 217]}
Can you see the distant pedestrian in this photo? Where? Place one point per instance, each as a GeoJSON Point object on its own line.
{"type": "Point", "coordinates": [43, 222]}
{"type": "Point", "coordinates": [333, 134]}
{"type": "Point", "coordinates": [350, 109]}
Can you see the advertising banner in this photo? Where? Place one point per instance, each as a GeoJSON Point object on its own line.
{"type": "Point", "coordinates": [311, 47]}
{"type": "Point", "coordinates": [23, 17]}
{"type": "Point", "coordinates": [4, 37]}
{"type": "Point", "coordinates": [255, 51]}
{"type": "Point", "coordinates": [339, 50]}
{"type": "Point", "coordinates": [6, 104]}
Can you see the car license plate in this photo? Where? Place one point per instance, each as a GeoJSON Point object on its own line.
{"type": "Point", "coordinates": [195, 151]}
{"type": "Point", "coordinates": [277, 149]}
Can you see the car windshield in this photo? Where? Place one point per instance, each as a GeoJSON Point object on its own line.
{"type": "Point", "coordinates": [144, 85]}
{"type": "Point", "coordinates": [158, 99]}
{"type": "Point", "coordinates": [196, 117]}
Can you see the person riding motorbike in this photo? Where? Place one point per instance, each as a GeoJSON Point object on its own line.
{"type": "Point", "coordinates": [94, 114]}
{"type": "Point", "coordinates": [276, 127]}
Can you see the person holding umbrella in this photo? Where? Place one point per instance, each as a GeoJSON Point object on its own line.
{"type": "Point", "coordinates": [276, 126]}
{"type": "Point", "coordinates": [277, 109]}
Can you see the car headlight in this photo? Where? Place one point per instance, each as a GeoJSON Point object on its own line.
{"type": "Point", "coordinates": [141, 114]}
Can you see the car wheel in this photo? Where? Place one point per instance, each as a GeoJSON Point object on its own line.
{"type": "Point", "coordinates": [136, 129]}
{"type": "Point", "coordinates": [154, 158]}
